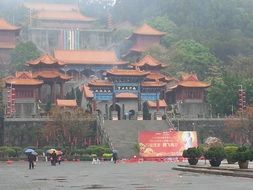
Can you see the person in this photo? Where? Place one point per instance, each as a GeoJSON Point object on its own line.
{"type": "Point", "coordinates": [115, 156]}
{"type": "Point", "coordinates": [31, 160]}
{"type": "Point", "coordinates": [53, 158]}
{"type": "Point", "coordinates": [59, 159]}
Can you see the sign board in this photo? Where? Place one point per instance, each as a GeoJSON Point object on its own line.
{"type": "Point", "coordinates": [165, 144]}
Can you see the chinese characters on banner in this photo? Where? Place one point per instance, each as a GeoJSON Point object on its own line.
{"type": "Point", "coordinates": [164, 144]}
{"type": "Point", "coordinates": [11, 102]}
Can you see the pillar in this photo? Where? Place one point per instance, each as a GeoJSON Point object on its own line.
{"type": "Point", "coordinates": [62, 90]}
{"type": "Point", "coordinates": [54, 92]}
{"type": "Point", "coordinates": [39, 93]}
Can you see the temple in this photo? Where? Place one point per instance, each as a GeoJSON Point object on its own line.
{"type": "Point", "coordinates": [189, 96]}
{"type": "Point", "coordinates": [47, 69]}
{"type": "Point", "coordinates": [122, 94]}
{"type": "Point", "coordinates": [63, 26]}
{"type": "Point", "coordinates": [81, 64]}
{"type": "Point", "coordinates": [142, 39]}
{"type": "Point", "coordinates": [9, 35]}
{"type": "Point", "coordinates": [22, 94]}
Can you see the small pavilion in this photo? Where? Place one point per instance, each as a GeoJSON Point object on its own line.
{"type": "Point", "coordinates": [8, 39]}
{"type": "Point", "coordinates": [47, 69]}
{"type": "Point", "coordinates": [22, 94]}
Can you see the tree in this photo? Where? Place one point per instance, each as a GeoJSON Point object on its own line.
{"type": "Point", "coordinates": [23, 52]}
{"type": "Point", "coordinates": [69, 127]}
{"type": "Point", "coordinates": [223, 93]}
{"type": "Point", "coordinates": [241, 130]}
{"type": "Point", "coordinates": [193, 57]}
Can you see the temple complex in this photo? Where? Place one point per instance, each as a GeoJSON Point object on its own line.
{"type": "Point", "coordinates": [63, 26]}
{"type": "Point", "coordinates": [9, 35]}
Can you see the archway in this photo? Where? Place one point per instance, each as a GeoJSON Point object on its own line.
{"type": "Point", "coordinates": [146, 114]}
{"type": "Point", "coordinates": [131, 114]}
{"type": "Point", "coordinates": [117, 109]}
{"type": "Point", "coordinates": [88, 72]}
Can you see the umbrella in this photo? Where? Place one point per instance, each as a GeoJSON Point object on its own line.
{"type": "Point", "coordinates": [34, 153]}
{"type": "Point", "coordinates": [29, 150]}
{"type": "Point", "coordinates": [50, 151]}
{"type": "Point", "coordinates": [58, 152]}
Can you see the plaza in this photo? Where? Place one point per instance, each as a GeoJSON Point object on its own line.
{"type": "Point", "coordinates": [125, 176]}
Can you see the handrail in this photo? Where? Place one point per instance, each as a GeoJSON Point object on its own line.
{"type": "Point", "coordinates": [103, 132]}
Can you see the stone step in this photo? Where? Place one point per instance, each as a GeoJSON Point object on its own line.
{"type": "Point", "coordinates": [124, 134]}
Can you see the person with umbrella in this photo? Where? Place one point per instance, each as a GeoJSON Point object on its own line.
{"type": "Point", "coordinates": [53, 158]}
{"type": "Point", "coordinates": [31, 157]}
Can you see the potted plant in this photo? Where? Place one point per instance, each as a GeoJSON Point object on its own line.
{"type": "Point", "coordinates": [230, 151]}
{"type": "Point", "coordinates": [243, 155]}
{"type": "Point", "coordinates": [215, 155]}
{"type": "Point", "coordinates": [193, 155]}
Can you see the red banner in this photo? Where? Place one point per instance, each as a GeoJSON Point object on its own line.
{"type": "Point", "coordinates": [165, 144]}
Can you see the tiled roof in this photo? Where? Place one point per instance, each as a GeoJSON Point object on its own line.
{"type": "Point", "coordinates": [191, 80]}
{"type": "Point", "coordinates": [148, 60]}
{"type": "Point", "coordinates": [45, 60]}
{"type": "Point", "coordinates": [87, 57]}
{"type": "Point", "coordinates": [87, 92]}
{"type": "Point", "coordinates": [125, 72]}
{"type": "Point", "coordinates": [145, 29]}
{"type": "Point", "coordinates": [197, 84]}
{"type": "Point", "coordinates": [50, 75]}
{"type": "Point", "coordinates": [153, 104]}
{"type": "Point", "coordinates": [23, 78]}
{"type": "Point", "coordinates": [126, 95]}
{"type": "Point", "coordinates": [99, 82]}
{"type": "Point", "coordinates": [155, 76]}
{"type": "Point", "coordinates": [51, 6]}
{"type": "Point", "coordinates": [152, 83]}
{"type": "Point", "coordinates": [66, 103]}
{"type": "Point", "coordinates": [4, 25]}
{"type": "Point", "coordinates": [62, 15]}
{"type": "Point", "coordinates": [7, 45]}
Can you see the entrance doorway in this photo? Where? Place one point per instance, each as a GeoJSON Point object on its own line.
{"type": "Point", "coordinates": [117, 109]}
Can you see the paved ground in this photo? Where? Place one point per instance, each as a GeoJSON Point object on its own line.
{"type": "Point", "coordinates": [131, 176]}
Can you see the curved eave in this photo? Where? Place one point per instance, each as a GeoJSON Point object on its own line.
{"type": "Point", "coordinates": [153, 84]}
{"type": "Point", "coordinates": [24, 83]}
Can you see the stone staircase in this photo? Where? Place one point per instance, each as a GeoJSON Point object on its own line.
{"type": "Point", "coordinates": [123, 135]}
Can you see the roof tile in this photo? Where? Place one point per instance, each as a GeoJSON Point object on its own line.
{"type": "Point", "coordinates": [145, 29]}
{"type": "Point", "coordinates": [127, 72]}
{"type": "Point", "coordinates": [153, 104]}
{"type": "Point", "coordinates": [87, 57]}
{"type": "Point", "coordinates": [4, 25]}
{"type": "Point", "coordinates": [66, 103]}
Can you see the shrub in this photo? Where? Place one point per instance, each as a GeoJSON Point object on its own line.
{"type": "Point", "coordinates": [230, 151]}
{"type": "Point", "coordinates": [243, 154]}
{"type": "Point", "coordinates": [215, 153]}
{"type": "Point", "coordinates": [85, 158]}
{"type": "Point", "coordinates": [192, 153]}
{"type": "Point", "coordinates": [98, 150]}
{"type": "Point", "coordinates": [107, 156]}
{"type": "Point", "coordinates": [6, 152]}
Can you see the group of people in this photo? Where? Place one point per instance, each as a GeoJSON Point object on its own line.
{"type": "Point", "coordinates": [54, 158]}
